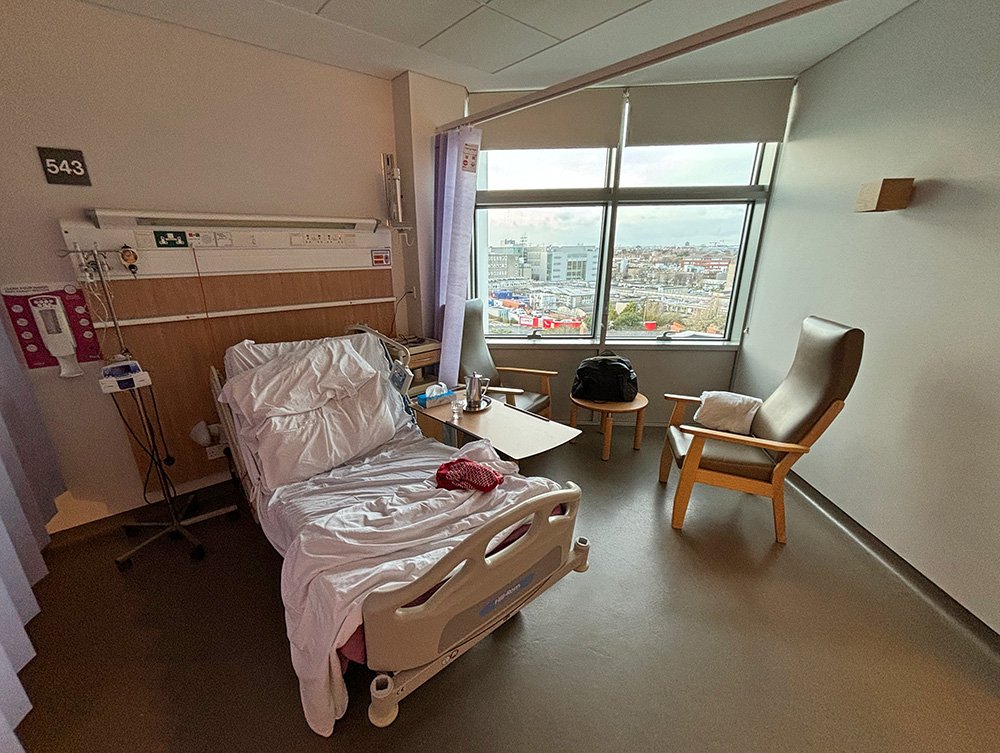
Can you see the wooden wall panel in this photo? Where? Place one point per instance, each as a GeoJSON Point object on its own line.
{"type": "Point", "coordinates": [178, 354]}
{"type": "Point", "coordinates": [157, 296]}
{"type": "Point", "coordinates": [233, 292]}
{"type": "Point", "coordinates": [169, 296]}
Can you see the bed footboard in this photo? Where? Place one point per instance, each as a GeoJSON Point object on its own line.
{"type": "Point", "coordinates": [409, 643]}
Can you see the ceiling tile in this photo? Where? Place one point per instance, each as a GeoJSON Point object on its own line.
{"type": "Point", "coordinates": [309, 6]}
{"type": "Point", "coordinates": [489, 41]}
{"type": "Point", "coordinates": [401, 20]}
{"type": "Point", "coordinates": [563, 18]}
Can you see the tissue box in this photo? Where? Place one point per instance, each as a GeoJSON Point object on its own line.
{"type": "Point", "coordinates": [429, 402]}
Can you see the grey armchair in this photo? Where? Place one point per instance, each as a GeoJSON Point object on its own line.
{"type": "Point", "coordinates": [476, 358]}
{"type": "Point", "coordinates": [823, 371]}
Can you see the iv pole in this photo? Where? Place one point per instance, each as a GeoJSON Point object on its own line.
{"type": "Point", "coordinates": [177, 527]}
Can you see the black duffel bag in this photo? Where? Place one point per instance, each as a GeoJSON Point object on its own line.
{"type": "Point", "coordinates": [607, 378]}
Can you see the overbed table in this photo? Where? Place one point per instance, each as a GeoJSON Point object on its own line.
{"type": "Point", "coordinates": [512, 432]}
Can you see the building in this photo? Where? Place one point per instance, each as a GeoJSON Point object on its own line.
{"type": "Point", "coordinates": [569, 263]}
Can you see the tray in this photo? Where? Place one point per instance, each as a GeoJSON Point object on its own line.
{"type": "Point", "coordinates": [486, 402]}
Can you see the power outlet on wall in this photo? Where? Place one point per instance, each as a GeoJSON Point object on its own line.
{"type": "Point", "coordinates": [216, 451]}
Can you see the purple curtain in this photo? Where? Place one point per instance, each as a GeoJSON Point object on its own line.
{"type": "Point", "coordinates": [456, 155]}
{"type": "Point", "coordinates": [29, 481]}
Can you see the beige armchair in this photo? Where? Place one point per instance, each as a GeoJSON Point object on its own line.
{"type": "Point", "coordinates": [785, 427]}
{"type": "Point", "coordinates": [476, 358]}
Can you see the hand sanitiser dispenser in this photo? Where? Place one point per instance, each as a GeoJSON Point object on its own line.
{"type": "Point", "coordinates": [50, 316]}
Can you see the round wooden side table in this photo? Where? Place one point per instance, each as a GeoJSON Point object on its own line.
{"type": "Point", "coordinates": [607, 410]}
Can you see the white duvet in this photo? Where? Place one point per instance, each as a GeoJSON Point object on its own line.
{"type": "Point", "coordinates": [379, 520]}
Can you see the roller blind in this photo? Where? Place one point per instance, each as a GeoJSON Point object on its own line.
{"type": "Point", "coordinates": [724, 113]}
{"type": "Point", "coordinates": [586, 118]}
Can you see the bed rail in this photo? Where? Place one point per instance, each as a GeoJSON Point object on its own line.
{"type": "Point", "coordinates": [410, 644]}
{"type": "Point", "coordinates": [231, 437]}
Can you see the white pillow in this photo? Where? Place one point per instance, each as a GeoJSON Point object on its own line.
{"type": "Point", "coordinates": [310, 411]}
{"type": "Point", "coordinates": [727, 411]}
{"type": "Point", "coordinates": [297, 382]}
{"type": "Point", "coordinates": [296, 447]}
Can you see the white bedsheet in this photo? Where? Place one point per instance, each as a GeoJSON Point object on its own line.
{"type": "Point", "coordinates": [377, 520]}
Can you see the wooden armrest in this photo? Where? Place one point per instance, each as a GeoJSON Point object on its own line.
{"type": "Point", "coordinates": [519, 370]}
{"type": "Point", "coordinates": [681, 398]}
{"type": "Point", "coordinates": [764, 444]}
{"type": "Point", "coordinates": [505, 390]}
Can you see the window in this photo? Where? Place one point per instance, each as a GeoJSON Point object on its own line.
{"type": "Point", "coordinates": [542, 267]}
{"type": "Point", "coordinates": [675, 269]}
{"type": "Point", "coordinates": [662, 252]}
{"type": "Point", "coordinates": [688, 165]}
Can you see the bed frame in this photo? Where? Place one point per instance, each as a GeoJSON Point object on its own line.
{"type": "Point", "coordinates": [472, 594]}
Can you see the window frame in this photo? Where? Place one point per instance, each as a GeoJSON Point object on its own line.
{"type": "Point", "coordinates": [612, 196]}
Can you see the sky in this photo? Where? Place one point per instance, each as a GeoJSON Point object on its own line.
{"type": "Point", "coordinates": [720, 164]}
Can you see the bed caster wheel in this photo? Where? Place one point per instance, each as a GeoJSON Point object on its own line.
{"type": "Point", "coordinates": [382, 711]}
{"type": "Point", "coordinates": [198, 553]}
{"type": "Point", "coordinates": [581, 549]}
{"type": "Point", "coordinates": [233, 516]}
{"type": "Point", "coordinates": [123, 565]}
{"type": "Point", "coordinates": [130, 531]}
{"type": "Point", "coordinates": [382, 717]}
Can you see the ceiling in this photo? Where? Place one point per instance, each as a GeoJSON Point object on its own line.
{"type": "Point", "coordinates": [521, 44]}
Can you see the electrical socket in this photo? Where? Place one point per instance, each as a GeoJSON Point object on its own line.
{"type": "Point", "coordinates": [215, 451]}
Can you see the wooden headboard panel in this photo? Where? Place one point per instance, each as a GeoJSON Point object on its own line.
{"type": "Point", "coordinates": [270, 307]}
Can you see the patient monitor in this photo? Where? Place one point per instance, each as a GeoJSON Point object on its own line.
{"type": "Point", "coordinates": [50, 316]}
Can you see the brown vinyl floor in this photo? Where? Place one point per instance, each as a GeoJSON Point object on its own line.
{"type": "Point", "coordinates": [714, 639]}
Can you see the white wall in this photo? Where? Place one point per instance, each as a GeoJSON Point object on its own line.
{"type": "Point", "coordinates": [167, 118]}
{"type": "Point", "coordinates": [914, 456]}
{"type": "Point", "coordinates": [421, 104]}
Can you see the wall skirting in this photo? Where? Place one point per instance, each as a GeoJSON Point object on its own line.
{"type": "Point", "coordinates": [930, 592]}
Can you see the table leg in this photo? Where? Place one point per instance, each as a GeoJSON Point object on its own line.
{"type": "Point", "coordinates": [607, 423]}
{"type": "Point", "coordinates": [638, 429]}
{"type": "Point", "coordinates": [572, 419]}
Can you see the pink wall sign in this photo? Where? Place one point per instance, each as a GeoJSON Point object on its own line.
{"type": "Point", "coordinates": [17, 301]}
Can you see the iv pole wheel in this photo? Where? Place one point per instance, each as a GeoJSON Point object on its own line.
{"type": "Point", "coordinates": [124, 565]}
{"type": "Point", "coordinates": [233, 516]}
{"type": "Point", "coordinates": [198, 553]}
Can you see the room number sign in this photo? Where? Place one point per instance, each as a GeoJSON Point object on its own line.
{"type": "Point", "coordinates": [64, 166]}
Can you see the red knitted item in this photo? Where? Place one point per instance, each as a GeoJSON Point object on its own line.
{"type": "Point", "coordinates": [466, 474]}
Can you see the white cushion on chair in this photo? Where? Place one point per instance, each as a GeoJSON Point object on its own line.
{"type": "Point", "coordinates": [727, 411]}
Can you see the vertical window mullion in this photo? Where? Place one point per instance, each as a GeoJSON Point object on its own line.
{"type": "Point", "coordinates": [612, 213]}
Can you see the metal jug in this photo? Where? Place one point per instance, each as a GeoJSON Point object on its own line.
{"type": "Point", "coordinates": [475, 390]}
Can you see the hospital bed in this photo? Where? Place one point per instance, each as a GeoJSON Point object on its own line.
{"type": "Point", "coordinates": [425, 573]}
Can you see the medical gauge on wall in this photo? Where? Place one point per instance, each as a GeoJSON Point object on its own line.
{"type": "Point", "coordinates": [50, 316]}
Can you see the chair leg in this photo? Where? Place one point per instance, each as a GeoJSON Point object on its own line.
{"type": "Point", "coordinates": [778, 503]}
{"type": "Point", "coordinates": [683, 494]}
{"type": "Point", "coordinates": [572, 419]}
{"type": "Point", "coordinates": [666, 461]}
{"type": "Point", "coordinates": [688, 471]}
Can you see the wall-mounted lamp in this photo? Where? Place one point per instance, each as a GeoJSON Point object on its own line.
{"type": "Point", "coordinates": [885, 195]}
